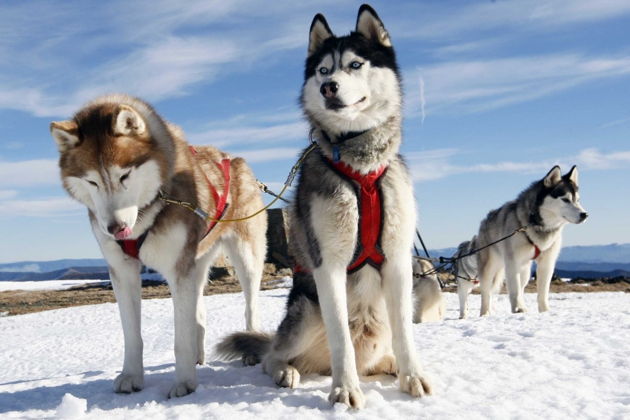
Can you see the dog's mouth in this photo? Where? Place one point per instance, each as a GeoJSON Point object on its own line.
{"type": "Point", "coordinates": [335, 104]}
{"type": "Point", "coordinates": [123, 233]}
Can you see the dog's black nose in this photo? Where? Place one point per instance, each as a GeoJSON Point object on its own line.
{"type": "Point", "coordinates": [329, 89]}
{"type": "Point", "coordinates": [583, 216]}
{"type": "Point", "coordinates": [114, 228]}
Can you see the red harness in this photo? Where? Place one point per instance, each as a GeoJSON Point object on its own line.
{"type": "Point", "coordinates": [131, 247]}
{"type": "Point", "coordinates": [536, 249]}
{"type": "Point", "coordinates": [369, 196]}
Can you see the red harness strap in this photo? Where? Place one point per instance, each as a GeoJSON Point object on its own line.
{"type": "Point", "coordinates": [220, 200]}
{"type": "Point", "coordinates": [131, 247]}
{"type": "Point", "coordinates": [368, 249]}
{"type": "Point", "coordinates": [536, 249]}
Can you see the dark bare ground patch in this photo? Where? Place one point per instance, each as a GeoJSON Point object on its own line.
{"type": "Point", "coordinates": [17, 302]}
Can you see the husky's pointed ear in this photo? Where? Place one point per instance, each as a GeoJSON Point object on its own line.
{"type": "Point", "coordinates": [128, 122]}
{"type": "Point", "coordinates": [319, 32]}
{"type": "Point", "coordinates": [553, 177]}
{"type": "Point", "coordinates": [572, 175]}
{"type": "Point", "coordinates": [370, 26]}
{"type": "Point", "coordinates": [65, 133]}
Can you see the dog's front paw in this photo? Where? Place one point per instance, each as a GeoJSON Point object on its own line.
{"type": "Point", "coordinates": [287, 377]}
{"type": "Point", "coordinates": [352, 396]}
{"type": "Point", "coordinates": [543, 306]}
{"type": "Point", "coordinates": [182, 389]}
{"type": "Point", "coordinates": [520, 309]}
{"type": "Point", "coordinates": [415, 385]}
{"type": "Point", "coordinates": [126, 383]}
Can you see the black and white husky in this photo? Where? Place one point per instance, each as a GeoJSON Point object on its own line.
{"type": "Point", "coordinates": [545, 207]}
{"type": "Point", "coordinates": [352, 222]}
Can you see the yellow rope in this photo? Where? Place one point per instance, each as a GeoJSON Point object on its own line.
{"type": "Point", "coordinates": [287, 184]}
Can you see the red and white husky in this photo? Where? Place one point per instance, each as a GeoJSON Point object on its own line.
{"type": "Point", "coordinates": [122, 160]}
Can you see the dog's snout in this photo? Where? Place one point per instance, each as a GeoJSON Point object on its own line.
{"type": "Point", "coordinates": [115, 227]}
{"type": "Point", "coordinates": [583, 216]}
{"type": "Point", "coordinates": [329, 89]}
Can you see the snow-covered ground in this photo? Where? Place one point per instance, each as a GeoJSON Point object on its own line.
{"type": "Point", "coordinates": [44, 284]}
{"type": "Point", "coordinates": [570, 363]}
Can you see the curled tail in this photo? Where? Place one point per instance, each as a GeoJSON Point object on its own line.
{"type": "Point", "coordinates": [250, 346]}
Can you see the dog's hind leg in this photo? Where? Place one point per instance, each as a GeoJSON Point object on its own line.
{"type": "Point", "coordinates": [124, 273]}
{"type": "Point", "coordinates": [201, 272]}
{"type": "Point", "coordinates": [386, 365]}
{"type": "Point", "coordinates": [487, 275]}
{"type": "Point", "coordinates": [300, 328]}
{"type": "Point", "coordinates": [397, 285]}
{"type": "Point", "coordinates": [464, 287]}
{"type": "Point", "coordinates": [248, 258]}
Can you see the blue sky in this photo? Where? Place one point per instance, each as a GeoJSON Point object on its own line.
{"type": "Point", "coordinates": [496, 92]}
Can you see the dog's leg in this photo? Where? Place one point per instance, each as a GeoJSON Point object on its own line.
{"type": "Point", "coordinates": [487, 274]}
{"type": "Point", "coordinates": [464, 287]}
{"type": "Point", "coordinates": [331, 289]}
{"type": "Point", "coordinates": [290, 341]}
{"type": "Point", "coordinates": [248, 264]}
{"type": "Point", "coordinates": [397, 287]}
{"type": "Point", "coordinates": [545, 265]}
{"type": "Point", "coordinates": [512, 273]}
{"type": "Point", "coordinates": [125, 278]}
{"type": "Point", "coordinates": [386, 365]}
{"type": "Point", "coordinates": [202, 271]}
{"type": "Point", "coordinates": [185, 290]}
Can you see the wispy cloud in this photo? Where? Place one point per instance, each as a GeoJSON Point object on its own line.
{"type": "Point", "coordinates": [436, 164]}
{"type": "Point", "coordinates": [473, 86]}
{"type": "Point", "coordinates": [154, 49]}
{"type": "Point", "coordinates": [616, 122]}
{"type": "Point", "coordinates": [29, 173]}
{"type": "Point", "coordinates": [230, 137]}
{"type": "Point", "coordinates": [268, 155]}
{"type": "Point", "coordinates": [6, 194]}
{"type": "Point", "coordinates": [459, 20]}
{"type": "Point", "coordinates": [45, 207]}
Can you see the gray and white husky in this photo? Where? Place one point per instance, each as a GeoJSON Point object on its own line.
{"type": "Point", "coordinates": [352, 223]}
{"type": "Point", "coordinates": [544, 208]}
{"type": "Point", "coordinates": [466, 273]}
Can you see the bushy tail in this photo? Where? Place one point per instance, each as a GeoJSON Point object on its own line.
{"type": "Point", "coordinates": [250, 346]}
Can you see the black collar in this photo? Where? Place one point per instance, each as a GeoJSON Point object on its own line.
{"type": "Point", "coordinates": [343, 136]}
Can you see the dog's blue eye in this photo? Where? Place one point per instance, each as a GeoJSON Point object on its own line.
{"type": "Point", "coordinates": [356, 65]}
{"type": "Point", "coordinates": [323, 70]}
{"type": "Point", "coordinates": [93, 183]}
{"type": "Point", "coordinates": [566, 200]}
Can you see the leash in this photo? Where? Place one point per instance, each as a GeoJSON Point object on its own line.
{"type": "Point", "coordinates": [445, 261]}
{"type": "Point", "coordinates": [441, 283]}
{"type": "Point", "coordinates": [204, 215]}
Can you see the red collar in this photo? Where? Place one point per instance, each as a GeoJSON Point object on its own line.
{"type": "Point", "coordinates": [131, 247]}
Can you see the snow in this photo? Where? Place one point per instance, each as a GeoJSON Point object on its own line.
{"type": "Point", "coordinates": [571, 362]}
{"type": "Point", "coordinates": [71, 407]}
{"type": "Point", "coordinates": [45, 284]}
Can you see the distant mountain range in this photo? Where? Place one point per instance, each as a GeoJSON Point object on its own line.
{"type": "Point", "coordinates": [592, 254]}
{"type": "Point", "coordinates": [575, 261]}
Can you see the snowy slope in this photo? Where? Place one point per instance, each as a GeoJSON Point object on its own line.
{"type": "Point", "coordinates": [570, 363]}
